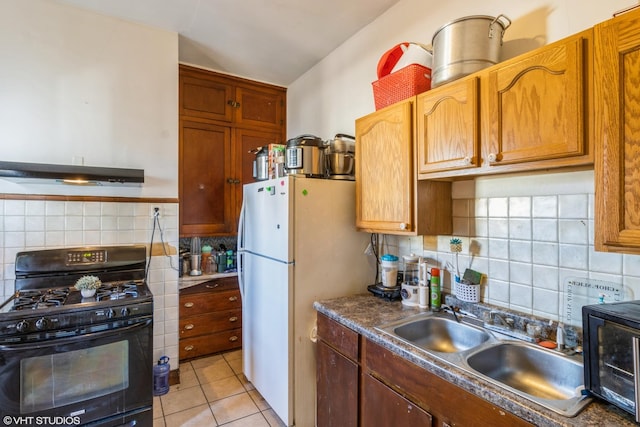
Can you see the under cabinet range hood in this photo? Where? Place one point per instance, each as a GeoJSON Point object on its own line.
{"type": "Point", "coordinates": [70, 174]}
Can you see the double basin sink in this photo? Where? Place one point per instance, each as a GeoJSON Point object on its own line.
{"type": "Point", "coordinates": [546, 377]}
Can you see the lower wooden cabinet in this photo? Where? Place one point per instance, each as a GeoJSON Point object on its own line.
{"type": "Point", "coordinates": [360, 383]}
{"type": "Point", "coordinates": [210, 318]}
{"type": "Point", "coordinates": [337, 376]}
{"type": "Point", "coordinates": [381, 406]}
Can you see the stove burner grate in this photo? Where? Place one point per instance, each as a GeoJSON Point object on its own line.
{"type": "Point", "coordinates": [116, 290]}
{"type": "Point", "coordinates": [37, 299]}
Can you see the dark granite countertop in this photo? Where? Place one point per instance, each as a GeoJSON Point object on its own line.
{"type": "Point", "coordinates": [363, 312]}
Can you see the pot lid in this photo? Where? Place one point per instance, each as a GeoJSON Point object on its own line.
{"type": "Point", "coordinates": [305, 139]}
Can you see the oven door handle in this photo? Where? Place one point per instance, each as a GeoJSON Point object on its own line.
{"type": "Point", "coordinates": [95, 335]}
{"type": "Point", "coordinates": [636, 373]}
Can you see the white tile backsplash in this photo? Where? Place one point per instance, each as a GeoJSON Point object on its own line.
{"type": "Point", "coordinates": [528, 240]}
{"type": "Point", "coordinates": [39, 224]}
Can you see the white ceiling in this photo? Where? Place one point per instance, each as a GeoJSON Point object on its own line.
{"type": "Point", "coordinates": [274, 41]}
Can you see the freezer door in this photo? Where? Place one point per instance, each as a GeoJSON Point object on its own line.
{"type": "Point", "coordinates": [267, 214]}
{"type": "Point", "coordinates": [267, 332]}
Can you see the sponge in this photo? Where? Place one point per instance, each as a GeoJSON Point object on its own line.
{"type": "Point", "coordinates": [472, 276]}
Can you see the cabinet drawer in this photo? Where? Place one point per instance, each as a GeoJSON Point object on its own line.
{"type": "Point", "coordinates": [208, 344]}
{"type": "Point", "coordinates": [338, 336]}
{"type": "Point", "coordinates": [205, 303]}
{"type": "Point", "coordinates": [206, 288]}
{"type": "Point", "coordinates": [192, 326]}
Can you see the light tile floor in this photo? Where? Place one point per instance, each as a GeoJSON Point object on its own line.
{"type": "Point", "coordinates": [213, 392]}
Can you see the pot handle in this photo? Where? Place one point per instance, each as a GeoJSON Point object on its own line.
{"type": "Point", "coordinates": [504, 27]}
{"type": "Point", "coordinates": [344, 135]}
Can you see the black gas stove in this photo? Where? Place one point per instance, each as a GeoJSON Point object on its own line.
{"type": "Point", "coordinates": [46, 300]}
{"type": "Point", "coordinates": [84, 360]}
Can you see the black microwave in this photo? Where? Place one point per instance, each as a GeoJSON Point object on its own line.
{"type": "Point", "coordinates": [611, 334]}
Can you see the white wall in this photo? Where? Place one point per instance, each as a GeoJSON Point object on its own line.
{"type": "Point", "coordinates": [78, 84]}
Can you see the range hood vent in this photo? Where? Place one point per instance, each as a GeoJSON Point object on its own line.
{"type": "Point", "coordinates": [71, 174]}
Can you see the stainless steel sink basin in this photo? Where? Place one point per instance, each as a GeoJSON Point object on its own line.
{"type": "Point", "coordinates": [548, 378]}
{"type": "Point", "coordinates": [439, 334]}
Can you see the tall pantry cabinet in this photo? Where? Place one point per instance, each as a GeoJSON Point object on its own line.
{"type": "Point", "coordinates": [222, 118]}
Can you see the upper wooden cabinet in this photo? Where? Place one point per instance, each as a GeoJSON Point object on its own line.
{"type": "Point", "coordinates": [222, 118]}
{"type": "Point", "coordinates": [206, 193]}
{"type": "Point", "coordinates": [537, 107]}
{"type": "Point", "coordinates": [524, 114]}
{"type": "Point", "coordinates": [212, 96]}
{"type": "Point", "coordinates": [389, 199]}
{"type": "Point", "coordinates": [448, 126]}
{"type": "Point", "coordinates": [617, 132]}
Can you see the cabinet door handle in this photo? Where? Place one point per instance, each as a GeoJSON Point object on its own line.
{"type": "Point", "coordinates": [403, 226]}
{"type": "Point", "coordinates": [233, 298]}
{"type": "Point", "coordinates": [188, 348]}
{"type": "Point", "coordinates": [492, 157]}
{"type": "Point", "coordinates": [233, 338]}
{"type": "Point", "coordinates": [188, 304]}
{"type": "Point", "coordinates": [233, 319]}
{"type": "Point", "coordinates": [467, 160]}
{"type": "Point", "coordinates": [189, 326]}
{"type": "Point", "coordinates": [234, 104]}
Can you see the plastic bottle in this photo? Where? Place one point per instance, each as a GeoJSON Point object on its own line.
{"type": "Point", "coordinates": [436, 292]}
{"type": "Point", "coordinates": [161, 377]}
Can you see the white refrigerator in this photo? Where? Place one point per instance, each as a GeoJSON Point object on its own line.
{"type": "Point", "coordinates": [297, 243]}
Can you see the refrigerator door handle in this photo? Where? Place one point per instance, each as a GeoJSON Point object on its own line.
{"type": "Point", "coordinates": [240, 249]}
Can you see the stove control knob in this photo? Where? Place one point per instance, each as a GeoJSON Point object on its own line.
{"type": "Point", "coordinates": [42, 324]}
{"type": "Point", "coordinates": [125, 311]}
{"type": "Point", "coordinates": [111, 313]}
{"type": "Point", "coordinates": [22, 326]}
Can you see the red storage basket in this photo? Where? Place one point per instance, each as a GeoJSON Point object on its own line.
{"type": "Point", "coordinates": [402, 84]}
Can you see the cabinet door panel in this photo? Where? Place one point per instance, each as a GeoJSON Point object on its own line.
{"type": "Point", "coordinates": [208, 99]}
{"type": "Point", "coordinates": [448, 127]}
{"type": "Point", "coordinates": [247, 140]}
{"type": "Point", "coordinates": [384, 407]}
{"type": "Point", "coordinates": [536, 106]}
{"type": "Point", "coordinates": [205, 166]}
{"type": "Point", "coordinates": [617, 164]}
{"type": "Point", "coordinates": [385, 184]}
{"type": "Point", "coordinates": [260, 108]}
{"type": "Point", "coordinates": [337, 388]}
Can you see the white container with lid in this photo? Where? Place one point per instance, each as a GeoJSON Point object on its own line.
{"type": "Point", "coordinates": [389, 269]}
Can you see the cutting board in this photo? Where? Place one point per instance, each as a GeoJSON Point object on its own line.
{"type": "Point", "coordinates": [579, 291]}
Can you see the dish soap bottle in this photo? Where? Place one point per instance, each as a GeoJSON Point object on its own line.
{"type": "Point", "coordinates": [436, 292]}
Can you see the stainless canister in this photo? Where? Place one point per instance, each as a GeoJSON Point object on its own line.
{"type": "Point", "coordinates": [466, 45]}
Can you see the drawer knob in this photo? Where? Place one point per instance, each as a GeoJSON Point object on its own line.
{"type": "Point", "coordinates": [215, 285]}
{"type": "Point", "coordinates": [233, 298]}
{"type": "Point", "coordinates": [188, 304]}
{"type": "Point", "coordinates": [233, 319]}
{"type": "Point", "coordinates": [189, 326]}
{"type": "Point", "coordinates": [188, 348]}
{"type": "Point", "coordinates": [233, 338]}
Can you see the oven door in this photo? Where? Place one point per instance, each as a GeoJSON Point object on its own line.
{"type": "Point", "coordinates": [103, 372]}
{"type": "Point", "coordinates": [612, 362]}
